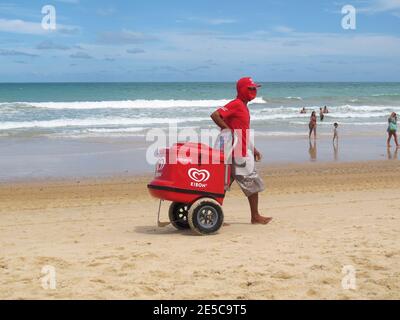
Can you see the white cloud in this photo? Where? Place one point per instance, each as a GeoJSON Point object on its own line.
{"type": "Point", "coordinates": [379, 6]}
{"type": "Point", "coordinates": [124, 37]}
{"type": "Point", "coordinates": [189, 47]}
{"type": "Point", "coordinates": [135, 51]}
{"type": "Point", "coordinates": [216, 22]}
{"type": "Point", "coordinates": [283, 29]}
{"type": "Point", "coordinates": [50, 45]}
{"type": "Point", "coordinates": [13, 53]}
{"type": "Point", "coordinates": [80, 55]}
{"type": "Point", "coordinates": [209, 21]}
{"type": "Point", "coordinates": [294, 45]}
{"type": "Point", "coordinates": [20, 26]}
{"type": "Point", "coordinates": [35, 28]}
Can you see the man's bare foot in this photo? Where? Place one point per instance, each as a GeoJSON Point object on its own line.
{"type": "Point", "coordinates": [260, 220]}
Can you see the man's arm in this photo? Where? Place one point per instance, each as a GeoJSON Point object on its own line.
{"type": "Point", "coordinates": [219, 121]}
{"type": "Point", "coordinates": [257, 154]}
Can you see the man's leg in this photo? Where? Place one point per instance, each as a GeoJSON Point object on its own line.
{"type": "Point", "coordinates": [256, 218]}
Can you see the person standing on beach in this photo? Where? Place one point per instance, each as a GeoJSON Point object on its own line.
{"type": "Point", "coordinates": [321, 114]}
{"type": "Point", "coordinates": [313, 125]}
{"type": "Point", "coordinates": [235, 116]}
{"type": "Point", "coordinates": [335, 133]}
{"type": "Point", "coordinates": [392, 129]}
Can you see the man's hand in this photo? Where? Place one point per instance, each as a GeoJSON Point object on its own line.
{"type": "Point", "coordinates": [257, 155]}
{"type": "Point", "coordinates": [219, 121]}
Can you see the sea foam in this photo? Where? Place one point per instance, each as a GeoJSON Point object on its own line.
{"type": "Point", "coordinates": [128, 104]}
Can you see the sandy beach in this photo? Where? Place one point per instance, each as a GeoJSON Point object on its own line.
{"type": "Point", "coordinates": [101, 238]}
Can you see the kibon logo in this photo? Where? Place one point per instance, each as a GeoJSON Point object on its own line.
{"type": "Point", "coordinates": [199, 177]}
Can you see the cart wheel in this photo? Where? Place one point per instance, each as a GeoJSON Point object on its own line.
{"type": "Point", "coordinates": [205, 216]}
{"type": "Point", "coordinates": [178, 215]}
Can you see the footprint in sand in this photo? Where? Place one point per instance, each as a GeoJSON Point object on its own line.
{"type": "Point", "coordinates": [3, 264]}
{"type": "Point", "coordinates": [159, 273]}
{"type": "Point", "coordinates": [312, 293]}
{"type": "Point", "coordinates": [97, 281]}
{"type": "Point", "coordinates": [95, 264]}
{"type": "Point", "coordinates": [377, 267]}
{"type": "Point", "coordinates": [128, 266]}
{"type": "Point", "coordinates": [391, 254]}
{"type": "Point", "coordinates": [281, 275]}
{"type": "Point", "coordinates": [329, 281]}
{"type": "Point", "coordinates": [52, 261]}
{"type": "Point", "coordinates": [105, 257]}
{"type": "Point", "coordinates": [149, 290]}
{"type": "Point", "coordinates": [145, 255]}
{"type": "Point", "coordinates": [318, 267]}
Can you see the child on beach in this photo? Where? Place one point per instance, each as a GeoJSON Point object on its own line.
{"type": "Point", "coordinates": [335, 132]}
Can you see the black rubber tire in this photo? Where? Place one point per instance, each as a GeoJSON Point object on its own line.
{"type": "Point", "coordinates": [196, 214]}
{"type": "Point", "coordinates": [178, 215]}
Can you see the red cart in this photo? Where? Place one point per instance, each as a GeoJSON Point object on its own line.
{"type": "Point", "coordinates": [195, 177]}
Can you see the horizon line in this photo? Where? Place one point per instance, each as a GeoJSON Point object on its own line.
{"type": "Point", "coordinates": [158, 82]}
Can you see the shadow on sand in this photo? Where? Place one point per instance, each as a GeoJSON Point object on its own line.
{"type": "Point", "coordinates": [169, 230]}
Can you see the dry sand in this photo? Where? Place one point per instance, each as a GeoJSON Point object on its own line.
{"type": "Point", "coordinates": [101, 238]}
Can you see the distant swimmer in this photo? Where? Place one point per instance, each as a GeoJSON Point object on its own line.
{"type": "Point", "coordinates": [302, 111]}
{"type": "Point", "coordinates": [326, 109]}
{"type": "Point", "coordinates": [321, 114]}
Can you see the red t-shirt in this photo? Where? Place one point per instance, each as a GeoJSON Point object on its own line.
{"type": "Point", "coordinates": [237, 116]}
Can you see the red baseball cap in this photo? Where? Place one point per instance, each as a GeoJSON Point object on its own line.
{"type": "Point", "coordinates": [247, 82]}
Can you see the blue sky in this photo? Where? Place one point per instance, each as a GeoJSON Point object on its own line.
{"type": "Point", "coordinates": [205, 40]}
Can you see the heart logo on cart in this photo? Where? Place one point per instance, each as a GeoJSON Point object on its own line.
{"type": "Point", "coordinates": [199, 175]}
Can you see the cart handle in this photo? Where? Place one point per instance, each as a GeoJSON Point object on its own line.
{"type": "Point", "coordinates": [228, 161]}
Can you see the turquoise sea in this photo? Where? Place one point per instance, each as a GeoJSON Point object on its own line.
{"type": "Point", "coordinates": [80, 110]}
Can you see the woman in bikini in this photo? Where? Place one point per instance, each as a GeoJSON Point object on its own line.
{"type": "Point", "coordinates": [313, 125]}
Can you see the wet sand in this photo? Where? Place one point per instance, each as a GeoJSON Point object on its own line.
{"type": "Point", "coordinates": [45, 158]}
{"type": "Point", "coordinates": [100, 236]}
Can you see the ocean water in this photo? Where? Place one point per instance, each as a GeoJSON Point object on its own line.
{"type": "Point", "coordinates": [81, 110]}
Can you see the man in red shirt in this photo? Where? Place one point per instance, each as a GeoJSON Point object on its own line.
{"type": "Point", "coordinates": [235, 116]}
